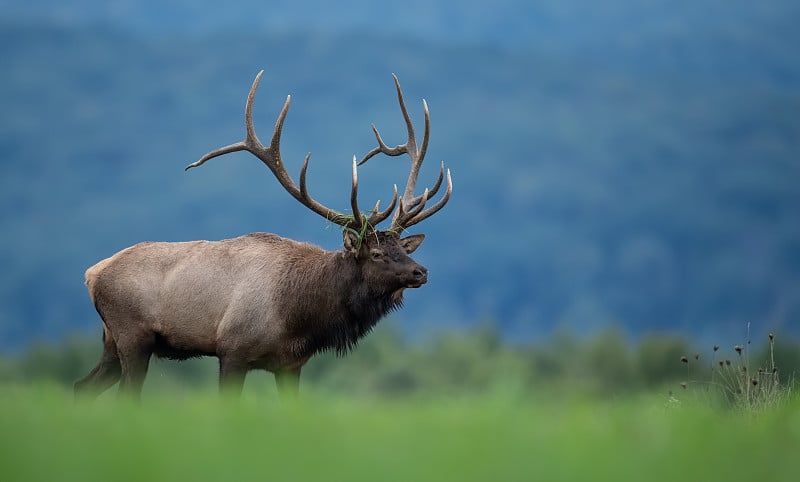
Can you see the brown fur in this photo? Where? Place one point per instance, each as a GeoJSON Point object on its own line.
{"type": "Point", "coordinates": [259, 301]}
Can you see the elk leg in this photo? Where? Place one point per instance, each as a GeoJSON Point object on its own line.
{"type": "Point", "coordinates": [135, 357]}
{"type": "Point", "coordinates": [106, 373]}
{"type": "Point", "coordinates": [231, 376]}
{"type": "Point", "coordinates": [288, 382]}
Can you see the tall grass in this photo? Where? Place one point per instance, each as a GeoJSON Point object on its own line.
{"type": "Point", "coordinates": [196, 436]}
{"type": "Point", "coordinates": [734, 380]}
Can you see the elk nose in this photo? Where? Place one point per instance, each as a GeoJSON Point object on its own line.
{"type": "Point", "coordinates": [420, 273]}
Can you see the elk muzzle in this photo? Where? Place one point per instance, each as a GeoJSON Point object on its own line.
{"type": "Point", "coordinates": [419, 276]}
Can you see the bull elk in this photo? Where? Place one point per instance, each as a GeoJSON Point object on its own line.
{"type": "Point", "coordinates": [261, 301]}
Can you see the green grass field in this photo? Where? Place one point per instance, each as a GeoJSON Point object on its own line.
{"type": "Point", "coordinates": [194, 435]}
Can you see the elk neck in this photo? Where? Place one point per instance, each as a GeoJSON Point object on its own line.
{"type": "Point", "coordinates": [341, 307]}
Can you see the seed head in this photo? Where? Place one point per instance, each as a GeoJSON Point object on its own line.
{"type": "Point", "coordinates": [684, 359]}
{"type": "Point", "coordinates": [716, 347]}
{"type": "Point", "coordinates": [771, 337]}
{"type": "Point", "coordinates": [728, 362]}
{"type": "Point", "coordinates": [754, 382]}
{"type": "Point", "coordinates": [721, 363]}
{"type": "Point", "coordinates": [683, 385]}
{"type": "Point", "coordinates": [738, 349]}
{"type": "Point", "coordinates": [696, 356]}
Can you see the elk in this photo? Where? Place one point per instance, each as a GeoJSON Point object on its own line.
{"type": "Point", "coordinates": [261, 301]}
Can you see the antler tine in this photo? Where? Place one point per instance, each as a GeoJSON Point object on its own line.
{"type": "Point", "coordinates": [354, 196]}
{"type": "Point", "coordinates": [404, 216]}
{"type": "Point", "coordinates": [251, 140]}
{"type": "Point", "coordinates": [410, 147]}
{"type": "Point", "coordinates": [378, 217]}
{"type": "Point", "coordinates": [426, 134]}
{"type": "Point", "coordinates": [420, 215]}
{"type": "Point", "coordinates": [239, 146]}
{"type": "Point", "coordinates": [414, 204]}
{"type": "Point", "coordinates": [432, 191]}
{"type": "Point", "coordinates": [271, 157]}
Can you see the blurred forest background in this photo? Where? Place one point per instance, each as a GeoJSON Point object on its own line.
{"type": "Point", "coordinates": [620, 167]}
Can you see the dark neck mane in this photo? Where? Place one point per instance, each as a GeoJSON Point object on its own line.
{"type": "Point", "coordinates": [355, 312]}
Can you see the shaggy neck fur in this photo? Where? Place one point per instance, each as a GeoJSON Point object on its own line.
{"type": "Point", "coordinates": [337, 314]}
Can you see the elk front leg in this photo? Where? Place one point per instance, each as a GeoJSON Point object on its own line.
{"type": "Point", "coordinates": [134, 360]}
{"type": "Point", "coordinates": [232, 373]}
{"type": "Point", "coordinates": [134, 351]}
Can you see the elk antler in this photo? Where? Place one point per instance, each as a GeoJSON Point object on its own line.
{"type": "Point", "coordinates": [271, 156]}
{"type": "Point", "coordinates": [411, 208]}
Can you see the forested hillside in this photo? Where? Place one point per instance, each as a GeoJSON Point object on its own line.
{"type": "Point", "coordinates": [616, 165]}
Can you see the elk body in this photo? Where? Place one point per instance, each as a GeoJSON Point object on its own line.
{"type": "Point", "coordinates": [260, 301]}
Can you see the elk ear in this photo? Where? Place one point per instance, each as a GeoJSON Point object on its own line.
{"type": "Point", "coordinates": [411, 243]}
{"type": "Point", "coordinates": [351, 242]}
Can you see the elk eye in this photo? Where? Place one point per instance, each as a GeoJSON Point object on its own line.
{"type": "Point", "coordinates": [376, 254]}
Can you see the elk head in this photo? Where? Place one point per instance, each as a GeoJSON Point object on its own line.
{"type": "Point", "coordinates": [382, 254]}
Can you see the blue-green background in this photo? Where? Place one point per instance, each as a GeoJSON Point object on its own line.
{"type": "Point", "coordinates": [627, 163]}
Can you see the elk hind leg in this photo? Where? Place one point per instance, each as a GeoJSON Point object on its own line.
{"type": "Point", "coordinates": [106, 373]}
